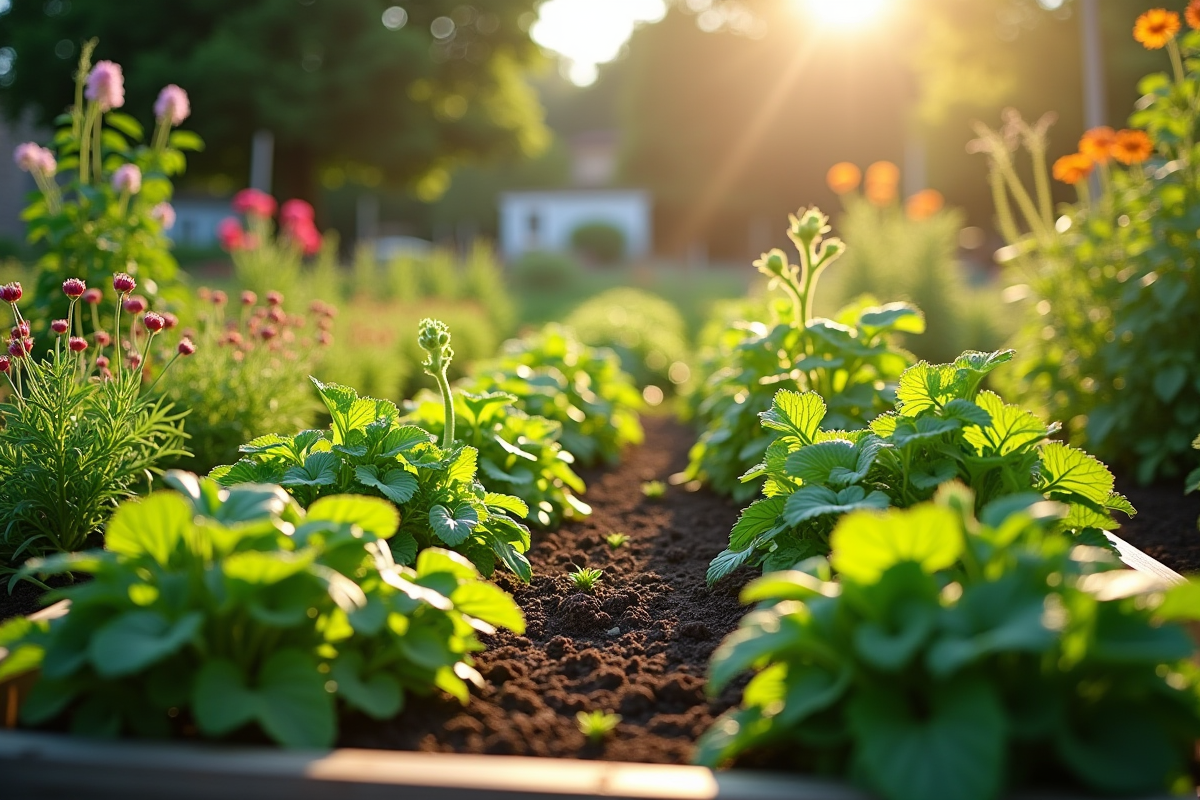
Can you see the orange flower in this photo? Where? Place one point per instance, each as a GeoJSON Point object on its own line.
{"type": "Point", "coordinates": [1156, 27]}
{"type": "Point", "coordinates": [1097, 144]}
{"type": "Point", "coordinates": [883, 177]}
{"type": "Point", "coordinates": [1132, 147]}
{"type": "Point", "coordinates": [1192, 15]}
{"type": "Point", "coordinates": [845, 177]}
{"type": "Point", "coordinates": [1073, 168]}
{"type": "Point", "coordinates": [924, 204]}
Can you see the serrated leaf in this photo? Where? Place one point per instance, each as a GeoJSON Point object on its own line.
{"type": "Point", "coordinates": [398, 485]}
{"type": "Point", "coordinates": [319, 469]}
{"type": "Point", "coordinates": [453, 528]}
{"type": "Point", "coordinates": [865, 545]}
{"type": "Point", "coordinates": [1065, 469]}
{"type": "Point", "coordinates": [795, 414]}
{"type": "Point", "coordinates": [402, 440]}
{"type": "Point", "coordinates": [925, 387]}
{"type": "Point", "coordinates": [506, 502]}
{"type": "Point", "coordinates": [726, 562]}
{"type": "Point", "coordinates": [465, 465]}
{"type": "Point", "coordinates": [760, 517]}
{"type": "Point", "coordinates": [1012, 428]}
{"type": "Point", "coordinates": [811, 502]}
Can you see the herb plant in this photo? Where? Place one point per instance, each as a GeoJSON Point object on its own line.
{"type": "Point", "coordinates": [944, 428]}
{"type": "Point", "coordinates": [850, 361]}
{"type": "Point", "coordinates": [583, 388]}
{"type": "Point", "coordinates": [368, 450]}
{"type": "Point", "coordinates": [957, 657]}
{"type": "Point", "coordinates": [654, 490]}
{"type": "Point", "coordinates": [518, 453]}
{"type": "Point", "coordinates": [585, 579]}
{"type": "Point", "coordinates": [597, 725]}
{"type": "Point", "coordinates": [617, 540]}
{"type": "Point", "coordinates": [233, 608]}
{"type": "Point", "coordinates": [80, 432]}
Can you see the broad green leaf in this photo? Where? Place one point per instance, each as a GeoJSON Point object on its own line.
{"type": "Point", "coordinates": [726, 562]}
{"type": "Point", "coordinates": [319, 469]}
{"type": "Point", "coordinates": [513, 559]}
{"type": "Point", "coordinates": [453, 528]}
{"type": "Point", "coordinates": [865, 544]}
{"type": "Point", "coordinates": [970, 413]}
{"type": "Point", "coordinates": [248, 471]}
{"type": "Point", "coordinates": [377, 517]}
{"type": "Point", "coordinates": [925, 387]}
{"type": "Point", "coordinates": [271, 443]}
{"type": "Point", "coordinates": [403, 547]}
{"type": "Point", "coordinates": [1012, 428]}
{"type": "Point", "coordinates": [379, 696]}
{"type": "Point", "coordinates": [338, 400]}
{"type": "Point", "coordinates": [922, 429]}
{"type": "Point", "coordinates": [893, 317]}
{"type": "Point", "coordinates": [760, 517]}
{"type": "Point", "coordinates": [125, 124]}
{"type": "Point", "coordinates": [891, 651]}
{"type": "Point", "coordinates": [265, 568]}
{"type": "Point", "coordinates": [221, 701]}
{"type": "Point", "coordinates": [506, 502]}
{"type": "Point", "coordinates": [810, 502]}
{"type": "Point", "coordinates": [137, 639]}
{"type": "Point", "coordinates": [402, 440]}
{"type": "Point", "coordinates": [294, 707]}
{"type": "Point", "coordinates": [152, 527]}
{"type": "Point", "coordinates": [796, 414]}
{"type": "Point", "coordinates": [1168, 381]}
{"type": "Point", "coordinates": [787, 585]}
{"type": "Point", "coordinates": [983, 363]}
{"type": "Point", "coordinates": [398, 485]}
{"type": "Point", "coordinates": [1067, 470]}
{"type": "Point", "coordinates": [933, 474]}
{"type": "Point", "coordinates": [433, 560]}
{"type": "Point", "coordinates": [464, 466]}
{"type": "Point", "coordinates": [490, 603]}
{"type": "Point", "coordinates": [1124, 638]}
{"type": "Point", "coordinates": [814, 463]}
{"type": "Point", "coordinates": [252, 502]}
{"type": "Point", "coordinates": [1121, 748]}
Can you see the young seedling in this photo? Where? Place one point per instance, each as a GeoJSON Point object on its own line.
{"type": "Point", "coordinates": [585, 579]}
{"type": "Point", "coordinates": [616, 540]}
{"type": "Point", "coordinates": [596, 725]}
{"type": "Point", "coordinates": [654, 490]}
{"type": "Point", "coordinates": [434, 339]}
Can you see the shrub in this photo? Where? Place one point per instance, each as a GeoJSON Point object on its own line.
{"type": "Point", "coordinates": [1109, 344]}
{"type": "Point", "coordinates": [600, 242]}
{"type": "Point", "coordinates": [646, 331]}
{"type": "Point", "coordinates": [553, 375]}
{"type": "Point", "coordinates": [295, 612]}
{"type": "Point", "coordinates": [545, 272]}
{"type": "Point", "coordinates": [851, 361]}
{"type": "Point", "coordinates": [944, 428]}
{"type": "Point", "coordinates": [957, 657]}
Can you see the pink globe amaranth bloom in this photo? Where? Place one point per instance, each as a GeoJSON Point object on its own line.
{"type": "Point", "coordinates": [172, 104]}
{"type": "Point", "coordinates": [268, 333]}
{"type": "Point", "coordinates": [47, 163]}
{"type": "Point", "coordinates": [325, 338]}
{"type": "Point", "coordinates": [60, 326]}
{"type": "Point", "coordinates": [19, 348]}
{"type": "Point", "coordinates": [277, 315]}
{"type": "Point", "coordinates": [135, 304]}
{"type": "Point", "coordinates": [230, 235]}
{"type": "Point", "coordinates": [249, 298]}
{"type": "Point", "coordinates": [254, 203]}
{"type": "Point", "coordinates": [295, 212]}
{"type": "Point", "coordinates": [135, 360]}
{"type": "Point", "coordinates": [127, 178]}
{"type": "Point", "coordinates": [5, 364]}
{"type": "Point", "coordinates": [74, 288]}
{"type": "Point", "coordinates": [21, 330]}
{"type": "Point", "coordinates": [106, 85]}
{"type": "Point", "coordinates": [77, 344]}
{"type": "Point", "coordinates": [93, 296]}
{"type": "Point", "coordinates": [170, 319]}
{"type": "Point", "coordinates": [102, 362]}
{"type": "Point", "coordinates": [219, 298]}
{"type": "Point", "coordinates": [165, 214]}
{"type": "Point", "coordinates": [185, 347]}
{"type": "Point", "coordinates": [154, 322]}
{"type": "Point", "coordinates": [274, 299]}
{"type": "Point", "coordinates": [103, 339]}
{"type": "Point", "coordinates": [124, 283]}
{"type": "Point", "coordinates": [11, 292]}
{"type": "Point", "coordinates": [306, 235]}
{"type": "Point", "coordinates": [28, 157]}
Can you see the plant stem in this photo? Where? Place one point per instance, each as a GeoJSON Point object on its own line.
{"type": "Point", "coordinates": [448, 406]}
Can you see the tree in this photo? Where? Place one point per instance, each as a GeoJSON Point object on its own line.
{"type": "Point", "coordinates": [399, 94]}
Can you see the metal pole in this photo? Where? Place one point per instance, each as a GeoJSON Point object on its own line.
{"type": "Point", "coordinates": [1095, 106]}
{"type": "Point", "coordinates": [262, 154]}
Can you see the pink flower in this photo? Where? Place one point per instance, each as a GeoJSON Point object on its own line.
{"type": "Point", "coordinates": [325, 338]}
{"type": "Point", "coordinates": [295, 211]}
{"type": "Point", "coordinates": [277, 316]}
{"type": "Point", "coordinates": [21, 330]}
{"type": "Point", "coordinates": [77, 344]}
{"type": "Point", "coordinates": [219, 298]}
{"type": "Point", "coordinates": [10, 292]}
{"type": "Point", "coordinates": [5, 364]}
{"type": "Point", "coordinates": [127, 178]}
{"type": "Point", "coordinates": [60, 326]}
{"type": "Point", "coordinates": [170, 319]}
{"type": "Point", "coordinates": [103, 339]}
{"type": "Point", "coordinates": [27, 156]}
{"type": "Point", "coordinates": [268, 333]}
{"type": "Point", "coordinates": [165, 214]}
{"type": "Point", "coordinates": [306, 235]}
{"type": "Point", "coordinates": [106, 85]}
{"type": "Point", "coordinates": [46, 162]}
{"type": "Point", "coordinates": [135, 304]}
{"type": "Point", "coordinates": [274, 299]}
{"type": "Point", "coordinates": [254, 203]}
{"type": "Point", "coordinates": [135, 360]}
{"type": "Point", "coordinates": [102, 362]}
{"type": "Point", "coordinates": [249, 298]}
{"type": "Point", "coordinates": [74, 288]}
{"type": "Point", "coordinates": [230, 235]}
{"type": "Point", "coordinates": [124, 283]}
{"type": "Point", "coordinates": [154, 322]}
{"type": "Point", "coordinates": [186, 347]}
{"type": "Point", "coordinates": [19, 348]}
{"type": "Point", "coordinates": [93, 296]}
{"type": "Point", "coordinates": [172, 104]}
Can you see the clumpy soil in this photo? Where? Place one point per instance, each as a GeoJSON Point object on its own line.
{"type": "Point", "coordinates": [639, 646]}
{"type": "Point", "coordinates": [1165, 525]}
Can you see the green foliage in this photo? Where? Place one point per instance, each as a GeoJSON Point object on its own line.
{"type": "Point", "coordinates": [597, 725]}
{"type": "Point", "coordinates": [646, 331]}
{"type": "Point", "coordinates": [518, 453]}
{"type": "Point", "coordinates": [944, 428]}
{"type": "Point", "coordinates": [235, 608]}
{"type": "Point", "coordinates": [553, 375]}
{"type": "Point", "coordinates": [851, 361]}
{"type": "Point", "coordinates": [545, 272]}
{"type": "Point", "coordinates": [654, 490]}
{"type": "Point", "coordinates": [955, 658]}
{"type": "Point", "coordinates": [617, 540]}
{"type": "Point", "coordinates": [585, 579]}
{"type": "Point", "coordinates": [367, 450]}
{"type": "Point", "coordinates": [599, 242]}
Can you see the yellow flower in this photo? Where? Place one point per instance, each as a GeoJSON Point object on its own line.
{"type": "Point", "coordinates": [924, 204]}
{"type": "Point", "coordinates": [1132, 147]}
{"type": "Point", "coordinates": [1097, 143]}
{"type": "Point", "coordinates": [1156, 27]}
{"type": "Point", "coordinates": [1073, 168]}
{"type": "Point", "coordinates": [845, 177]}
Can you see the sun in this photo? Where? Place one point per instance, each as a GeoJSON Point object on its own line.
{"type": "Point", "coordinates": [844, 13]}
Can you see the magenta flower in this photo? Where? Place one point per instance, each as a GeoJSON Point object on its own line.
{"type": "Point", "coordinates": [19, 348]}
{"type": "Point", "coordinates": [103, 339]}
{"type": "Point", "coordinates": [254, 203]}
{"type": "Point", "coordinates": [77, 344]}
{"type": "Point", "coordinates": [74, 288]}
{"type": "Point", "coordinates": [172, 105]}
{"type": "Point", "coordinates": [93, 296]}
{"type": "Point", "coordinates": [219, 298]}
{"type": "Point", "coordinates": [10, 292]}
{"type": "Point", "coordinates": [274, 299]}
{"type": "Point", "coordinates": [306, 235]}
{"type": "Point", "coordinates": [102, 362]}
{"type": "Point", "coordinates": [230, 235]}
{"type": "Point", "coordinates": [5, 364]}
{"type": "Point", "coordinates": [106, 85]}
{"type": "Point", "coordinates": [170, 319]}
{"type": "Point", "coordinates": [154, 322]}
{"type": "Point", "coordinates": [165, 214]}
{"type": "Point", "coordinates": [21, 330]}
{"type": "Point", "coordinates": [249, 298]}
{"type": "Point", "coordinates": [60, 326]}
{"type": "Point", "coordinates": [186, 347]}
{"type": "Point", "coordinates": [295, 211]}
{"type": "Point", "coordinates": [135, 360]}
{"type": "Point", "coordinates": [127, 178]}
{"type": "Point", "coordinates": [124, 283]}
{"type": "Point", "coordinates": [135, 304]}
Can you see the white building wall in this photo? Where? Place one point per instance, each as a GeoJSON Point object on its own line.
{"type": "Point", "coordinates": [546, 220]}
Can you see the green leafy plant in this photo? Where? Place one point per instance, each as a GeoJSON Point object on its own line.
{"type": "Point", "coordinates": [368, 450]}
{"type": "Point", "coordinates": [545, 272]}
{"type": "Point", "coordinates": [944, 428]}
{"type": "Point", "coordinates": [654, 490]}
{"type": "Point", "coordinates": [518, 453]}
{"type": "Point", "coordinates": [583, 388]}
{"type": "Point", "coordinates": [599, 242]}
{"type": "Point", "coordinates": [957, 657]}
{"type": "Point", "coordinates": [585, 579]}
{"type": "Point", "coordinates": [617, 540]}
{"type": "Point", "coordinates": [233, 608]}
{"type": "Point", "coordinates": [1107, 343]}
{"type": "Point", "coordinates": [78, 436]}
{"type": "Point", "coordinates": [597, 725]}
{"type": "Point", "coordinates": [851, 361]}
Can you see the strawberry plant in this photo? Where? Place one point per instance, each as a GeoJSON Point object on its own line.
{"type": "Point", "coordinates": [583, 388]}
{"type": "Point", "coordinates": [957, 657]}
{"type": "Point", "coordinates": [944, 428]}
{"type": "Point", "coordinates": [368, 450]}
{"type": "Point", "coordinates": [518, 453]}
{"type": "Point", "coordinates": [230, 609]}
{"type": "Point", "coordinates": [851, 361]}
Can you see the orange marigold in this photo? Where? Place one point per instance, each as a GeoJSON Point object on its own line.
{"type": "Point", "coordinates": [1192, 15]}
{"type": "Point", "coordinates": [1156, 27]}
{"type": "Point", "coordinates": [845, 177]}
{"type": "Point", "coordinates": [883, 177]}
{"type": "Point", "coordinates": [1073, 168]}
{"type": "Point", "coordinates": [1097, 143]}
{"type": "Point", "coordinates": [1132, 147]}
{"type": "Point", "coordinates": [924, 204]}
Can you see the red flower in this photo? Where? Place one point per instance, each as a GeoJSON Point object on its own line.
{"type": "Point", "coordinates": [295, 211]}
{"type": "Point", "coordinates": [254, 203]}
{"type": "Point", "coordinates": [60, 326]}
{"type": "Point", "coordinates": [123, 283]}
{"type": "Point", "coordinates": [74, 288]}
{"type": "Point", "coordinates": [19, 348]}
{"type": "Point", "coordinates": [230, 235]}
{"type": "Point", "coordinates": [135, 304]}
{"type": "Point", "coordinates": [186, 347]}
{"type": "Point", "coordinates": [77, 344]}
{"type": "Point", "coordinates": [307, 236]}
{"type": "Point", "coordinates": [154, 322]}
{"type": "Point", "coordinates": [219, 298]}
{"type": "Point", "coordinates": [102, 362]}
{"type": "Point", "coordinates": [10, 292]}
{"type": "Point", "coordinates": [274, 299]}
{"type": "Point", "coordinates": [21, 330]}
{"type": "Point", "coordinates": [249, 298]}
{"type": "Point", "coordinates": [103, 339]}
{"type": "Point", "coordinates": [135, 360]}
{"type": "Point", "coordinates": [5, 364]}
{"type": "Point", "coordinates": [170, 319]}
{"type": "Point", "coordinates": [93, 296]}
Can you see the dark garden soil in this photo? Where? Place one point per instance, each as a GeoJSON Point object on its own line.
{"type": "Point", "coordinates": [1165, 525]}
{"type": "Point", "coordinates": [638, 647]}
{"type": "Point", "coordinates": [26, 597]}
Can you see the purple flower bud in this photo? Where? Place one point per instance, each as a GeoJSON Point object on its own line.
{"type": "Point", "coordinates": [135, 360]}
{"type": "Point", "coordinates": [103, 339]}
{"type": "Point", "coordinates": [21, 330]}
{"type": "Point", "coordinates": [102, 362]}
{"type": "Point", "coordinates": [219, 298]}
{"type": "Point", "coordinates": [19, 348]}
{"type": "Point", "coordinates": [74, 287]}
{"type": "Point", "coordinates": [5, 364]}
{"type": "Point", "coordinates": [170, 319]}
{"type": "Point", "coordinates": [274, 299]}
{"type": "Point", "coordinates": [124, 283]}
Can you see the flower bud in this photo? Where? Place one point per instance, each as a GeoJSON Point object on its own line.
{"type": "Point", "coordinates": [233, 337]}
{"type": "Point", "coordinates": [74, 288]}
{"type": "Point", "coordinates": [60, 326]}
{"type": "Point", "coordinates": [268, 333]}
{"type": "Point", "coordinates": [5, 364]}
{"type": "Point", "coordinates": [274, 299]}
{"type": "Point", "coordinates": [102, 362]}
{"type": "Point", "coordinates": [135, 304]}
{"type": "Point", "coordinates": [103, 339]}
{"type": "Point", "coordinates": [106, 85]}
{"type": "Point", "coordinates": [171, 320]}
{"type": "Point", "coordinates": [809, 225]}
{"type": "Point", "coordinates": [249, 298]}
{"type": "Point", "coordinates": [219, 298]}
{"type": "Point", "coordinates": [21, 330]}
{"type": "Point", "coordinates": [774, 263]}
{"type": "Point", "coordinates": [10, 292]}
{"type": "Point", "coordinates": [124, 283]}
{"type": "Point", "coordinates": [93, 296]}
{"type": "Point", "coordinates": [127, 178]}
{"type": "Point", "coordinates": [135, 360]}
{"type": "Point", "coordinates": [277, 316]}
{"type": "Point", "coordinates": [77, 344]}
{"type": "Point", "coordinates": [172, 105]}
{"type": "Point", "coordinates": [19, 348]}
{"type": "Point", "coordinates": [254, 203]}
{"type": "Point", "coordinates": [154, 322]}
{"type": "Point", "coordinates": [165, 214]}
{"type": "Point", "coordinates": [185, 347]}
{"type": "Point", "coordinates": [106, 374]}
